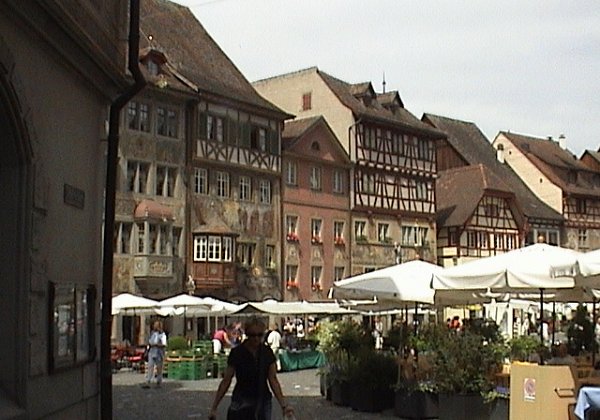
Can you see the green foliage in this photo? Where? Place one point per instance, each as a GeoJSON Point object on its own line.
{"type": "Point", "coordinates": [581, 332]}
{"type": "Point", "coordinates": [373, 369]}
{"type": "Point", "coordinates": [466, 362]}
{"type": "Point", "coordinates": [344, 335]}
{"type": "Point", "coordinates": [521, 347]}
{"type": "Point", "coordinates": [177, 343]}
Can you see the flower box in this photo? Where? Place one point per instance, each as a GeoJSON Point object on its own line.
{"type": "Point", "coordinates": [316, 287]}
{"type": "Point", "coordinates": [292, 237]}
{"type": "Point", "coordinates": [339, 241]}
{"type": "Point", "coordinates": [291, 284]}
{"type": "Point", "coordinates": [316, 240]}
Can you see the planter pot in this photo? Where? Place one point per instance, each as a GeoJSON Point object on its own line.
{"type": "Point", "coordinates": [325, 387]}
{"type": "Point", "coordinates": [416, 405]}
{"type": "Point", "coordinates": [341, 393]}
{"type": "Point", "coordinates": [463, 406]}
{"type": "Point", "coordinates": [499, 409]}
{"type": "Point", "coordinates": [371, 399]}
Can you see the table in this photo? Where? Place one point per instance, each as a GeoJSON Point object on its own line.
{"type": "Point", "coordinates": [301, 359]}
{"type": "Point", "coordinates": [588, 397]}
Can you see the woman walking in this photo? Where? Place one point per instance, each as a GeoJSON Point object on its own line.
{"type": "Point", "coordinates": [156, 354]}
{"type": "Point", "coordinates": [253, 365]}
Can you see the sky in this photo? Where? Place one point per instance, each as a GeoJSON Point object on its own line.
{"type": "Point", "coordinates": [531, 67]}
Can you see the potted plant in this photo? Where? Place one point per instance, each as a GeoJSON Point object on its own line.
{"type": "Point", "coordinates": [464, 370]}
{"type": "Point", "coordinates": [416, 394]}
{"type": "Point", "coordinates": [372, 375]}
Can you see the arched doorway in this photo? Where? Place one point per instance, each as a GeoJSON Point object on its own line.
{"type": "Point", "coordinates": [14, 282]}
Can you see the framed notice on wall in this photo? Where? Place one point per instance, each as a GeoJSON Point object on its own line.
{"type": "Point", "coordinates": [71, 325]}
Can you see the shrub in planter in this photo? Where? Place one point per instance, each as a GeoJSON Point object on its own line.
{"type": "Point", "coordinates": [416, 400]}
{"type": "Point", "coordinates": [521, 347]}
{"type": "Point", "coordinates": [498, 404]}
{"type": "Point", "coordinates": [373, 376]}
{"type": "Point", "coordinates": [464, 369]}
{"type": "Point", "coordinates": [177, 343]}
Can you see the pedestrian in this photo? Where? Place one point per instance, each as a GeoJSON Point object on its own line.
{"type": "Point", "coordinates": [220, 340]}
{"type": "Point", "coordinates": [274, 341]}
{"type": "Point", "coordinates": [156, 354]}
{"type": "Point", "coordinates": [253, 364]}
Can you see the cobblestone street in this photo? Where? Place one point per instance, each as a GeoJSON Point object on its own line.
{"type": "Point", "coordinates": [191, 399]}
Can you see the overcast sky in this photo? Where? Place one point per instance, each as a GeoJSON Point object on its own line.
{"type": "Point", "coordinates": [532, 67]}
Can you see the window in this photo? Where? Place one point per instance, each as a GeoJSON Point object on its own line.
{"type": "Point", "coordinates": [165, 180]}
{"type": "Point", "coordinates": [423, 149]}
{"type": "Point", "coordinates": [152, 67]}
{"type": "Point", "coordinates": [414, 235]}
{"type": "Point", "coordinates": [291, 173]}
{"type": "Point", "coordinates": [258, 139]}
{"type": "Point", "coordinates": [166, 122]}
{"type": "Point", "coordinates": [315, 178]}
{"type": "Point", "coordinates": [200, 181]}
{"type": "Point", "coordinates": [580, 206]}
{"type": "Point", "coordinates": [227, 248]}
{"type": "Point", "coordinates": [383, 232]}
{"type": "Point", "coordinates": [222, 184]}
{"type": "Point", "coordinates": [338, 181]}
{"type": "Point", "coordinates": [214, 128]}
{"type": "Point", "coordinates": [338, 233]}
{"type": "Point", "coordinates": [137, 176]}
{"type": "Point", "coordinates": [246, 253]}
{"type": "Point", "coordinates": [138, 116]}
{"type": "Point", "coordinates": [291, 228]}
{"type": "Point", "coordinates": [245, 188]}
{"type": "Point", "coordinates": [141, 240]}
{"type": "Point", "coordinates": [163, 241]}
{"type": "Point", "coordinates": [291, 272]}
{"type": "Point", "coordinates": [582, 238]}
{"type": "Point", "coordinates": [265, 191]}
{"type": "Point", "coordinates": [315, 230]}
{"type": "Point", "coordinates": [360, 230]}
{"type": "Point", "coordinates": [200, 248]}
{"type": "Point", "coordinates": [214, 248]}
{"type": "Point", "coordinates": [315, 277]}
{"type": "Point", "coordinates": [269, 256]}
{"type": "Point", "coordinates": [306, 101]}
{"type": "Point", "coordinates": [152, 238]}
{"type": "Point", "coordinates": [176, 243]}
{"type": "Point", "coordinates": [421, 190]}
{"type": "Point", "coordinates": [339, 273]}
{"type": "Point", "coordinates": [368, 183]}
{"type": "Point", "coordinates": [123, 237]}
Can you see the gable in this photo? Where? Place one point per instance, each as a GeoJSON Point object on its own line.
{"type": "Point", "coordinates": [316, 141]}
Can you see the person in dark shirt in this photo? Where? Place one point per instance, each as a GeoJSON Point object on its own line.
{"type": "Point", "coordinates": [253, 364]}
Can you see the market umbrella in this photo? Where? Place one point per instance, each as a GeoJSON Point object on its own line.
{"type": "Point", "coordinates": [409, 282]}
{"type": "Point", "coordinates": [589, 269]}
{"type": "Point", "coordinates": [128, 304]}
{"type": "Point", "coordinates": [533, 268]}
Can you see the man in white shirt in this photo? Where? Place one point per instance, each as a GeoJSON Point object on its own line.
{"type": "Point", "coordinates": [274, 341]}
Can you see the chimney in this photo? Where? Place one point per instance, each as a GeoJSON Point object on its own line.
{"type": "Point", "coordinates": [562, 141]}
{"type": "Point", "coordinates": [500, 153]}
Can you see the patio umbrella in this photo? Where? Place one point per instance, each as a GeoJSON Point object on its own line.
{"type": "Point", "coordinates": [589, 269]}
{"type": "Point", "coordinates": [534, 267]}
{"type": "Point", "coordinates": [409, 282]}
{"type": "Point", "coordinates": [128, 304]}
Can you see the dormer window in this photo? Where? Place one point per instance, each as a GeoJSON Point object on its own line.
{"type": "Point", "coordinates": [153, 68]}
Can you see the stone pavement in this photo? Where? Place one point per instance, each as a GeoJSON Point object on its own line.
{"type": "Point", "coordinates": [191, 399]}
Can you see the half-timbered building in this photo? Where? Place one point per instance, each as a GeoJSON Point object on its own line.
{"type": "Point", "coordinates": [491, 212]}
{"type": "Point", "coordinates": [316, 209]}
{"type": "Point", "coordinates": [231, 239]}
{"type": "Point", "coordinates": [591, 159]}
{"type": "Point", "coordinates": [559, 179]}
{"type": "Point", "coordinates": [392, 189]}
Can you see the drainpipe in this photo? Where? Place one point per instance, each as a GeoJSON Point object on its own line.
{"type": "Point", "coordinates": [109, 207]}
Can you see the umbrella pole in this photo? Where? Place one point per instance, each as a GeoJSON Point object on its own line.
{"type": "Point", "coordinates": [553, 320]}
{"type": "Point", "coordinates": [594, 349]}
{"type": "Point", "coordinates": [542, 323]}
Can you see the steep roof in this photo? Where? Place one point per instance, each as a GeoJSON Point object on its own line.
{"type": "Point", "coordinates": [349, 94]}
{"type": "Point", "coordinates": [559, 165]}
{"type": "Point", "coordinates": [459, 191]}
{"type": "Point", "coordinates": [295, 131]}
{"type": "Point", "coordinates": [173, 29]}
{"type": "Point", "coordinates": [468, 141]}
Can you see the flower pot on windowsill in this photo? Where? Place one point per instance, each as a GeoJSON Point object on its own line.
{"type": "Point", "coordinates": [292, 237]}
{"type": "Point", "coordinates": [315, 240]}
{"type": "Point", "coordinates": [316, 288]}
{"type": "Point", "coordinates": [339, 242]}
{"type": "Point", "coordinates": [291, 285]}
